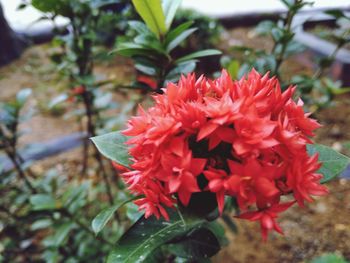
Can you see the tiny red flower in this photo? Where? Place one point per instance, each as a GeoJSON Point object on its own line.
{"type": "Point", "coordinates": [245, 139]}
{"type": "Point", "coordinates": [150, 82]}
{"type": "Point", "coordinates": [78, 90]}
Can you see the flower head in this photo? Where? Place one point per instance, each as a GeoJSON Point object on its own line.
{"type": "Point", "coordinates": [245, 139]}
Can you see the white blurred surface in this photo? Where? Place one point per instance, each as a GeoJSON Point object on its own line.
{"type": "Point", "coordinates": [23, 20]}
{"type": "Point", "coordinates": [231, 7]}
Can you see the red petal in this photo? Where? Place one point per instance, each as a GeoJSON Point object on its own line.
{"type": "Point", "coordinates": [207, 129]}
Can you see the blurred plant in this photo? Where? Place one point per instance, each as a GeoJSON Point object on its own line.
{"type": "Point", "coordinates": [207, 36]}
{"type": "Point", "coordinates": [330, 258]}
{"type": "Point", "coordinates": [89, 22]}
{"type": "Point", "coordinates": [318, 90]}
{"type": "Point", "coordinates": [46, 217]}
{"type": "Point", "coordinates": [10, 118]}
{"type": "Point", "coordinates": [154, 44]}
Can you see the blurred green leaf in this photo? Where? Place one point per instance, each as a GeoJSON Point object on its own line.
{"type": "Point", "coordinates": [180, 38]}
{"type": "Point", "coordinates": [233, 68]}
{"type": "Point", "coordinates": [61, 233]}
{"type": "Point", "coordinates": [333, 163]}
{"type": "Point", "coordinates": [152, 13]}
{"type": "Point", "coordinates": [41, 224]}
{"type": "Point", "coordinates": [22, 96]}
{"type": "Point", "coordinates": [100, 221]}
{"type": "Point", "coordinates": [336, 13]}
{"type": "Point", "coordinates": [182, 68]}
{"type": "Point", "coordinates": [198, 54]}
{"type": "Point", "coordinates": [170, 7]}
{"type": "Point", "coordinates": [329, 258]}
{"type": "Point", "coordinates": [43, 202]}
{"type": "Point", "coordinates": [176, 32]}
{"type": "Point", "coordinates": [57, 100]}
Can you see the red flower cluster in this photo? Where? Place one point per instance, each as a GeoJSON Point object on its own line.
{"type": "Point", "coordinates": [245, 139]}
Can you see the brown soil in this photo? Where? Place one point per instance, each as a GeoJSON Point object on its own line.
{"type": "Point", "coordinates": [323, 226]}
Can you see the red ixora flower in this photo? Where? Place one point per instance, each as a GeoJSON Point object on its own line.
{"type": "Point", "coordinates": [245, 139]}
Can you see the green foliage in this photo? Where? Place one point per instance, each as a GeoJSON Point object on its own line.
{"type": "Point", "coordinates": [333, 163]}
{"type": "Point", "coordinates": [105, 216]}
{"type": "Point", "coordinates": [316, 89]}
{"type": "Point", "coordinates": [154, 44]}
{"type": "Point", "coordinates": [146, 236]}
{"type": "Point", "coordinates": [112, 145]}
{"type": "Point", "coordinates": [330, 258]}
{"type": "Point", "coordinates": [152, 14]}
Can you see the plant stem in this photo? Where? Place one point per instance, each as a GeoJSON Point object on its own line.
{"type": "Point", "coordinates": [320, 71]}
{"type": "Point", "coordinates": [19, 170]}
{"type": "Point", "coordinates": [287, 24]}
{"type": "Point", "coordinates": [88, 102]}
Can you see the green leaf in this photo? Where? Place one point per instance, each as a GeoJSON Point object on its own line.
{"type": "Point", "coordinates": [177, 31]}
{"type": "Point", "coordinates": [146, 235]}
{"type": "Point", "coordinates": [170, 7]}
{"type": "Point", "coordinates": [198, 54]}
{"type": "Point", "coordinates": [233, 68]}
{"type": "Point", "coordinates": [333, 163]}
{"type": "Point", "coordinates": [57, 100]}
{"type": "Point", "coordinates": [61, 233]}
{"type": "Point", "coordinates": [43, 202]}
{"type": "Point", "coordinates": [181, 68]}
{"type": "Point", "coordinates": [199, 244]}
{"type": "Point", "coordinates": [112, 145]}
{"type": "Point", "coordinates": [132, 49]}
{"type": "Point", "coordinates": [329, 258]}
{"type": "Point", "coordinates": [176, 41]}
{"type": "Point", "coordinates": [53, 6]}
{"type": "Point", "coordinates": [23, 95]}
{"type": "Point", "coordinates": [139, 27]}
{"type": "Point", "coordinates": [336, 13]}
{"type": "Point", "coordinates": [41, 224]}
{"type": "Point", "coordinates": [148, 70]}
{"type": "Point", "coordinates": [100, 221]}
{"type": "Point", "coordinates": [152, 13]}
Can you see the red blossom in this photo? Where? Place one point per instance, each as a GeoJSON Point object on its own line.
{"type": "Point", "coordinates": [78, 90]}
{"type": "Point", "coordinates": [150, 82]}
{"type": "Point", "coordinates": [119, 168]}
{"type": "Point", "coordinates": [245, 139]}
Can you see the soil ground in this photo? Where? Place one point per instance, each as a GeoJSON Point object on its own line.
{"type": "Point", "coordinates": [320, 227]}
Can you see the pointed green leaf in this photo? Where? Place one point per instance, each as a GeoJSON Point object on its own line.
{"type": "Point", "coordinates": [174, 43]}
{"type": "Point", "coordinates": [177, 31]}
{"type": "Point", "coordinates": [139, 27]}
{"type": "Point", "coordinates": [112, 145]}
{"type": "Point", "coordinates": [333, 163]}
{"type": "Point", "coordinates": [152, 13]}
{"type": "Point", "coordinates": [57, 100]}
{"type": "Point", "coordinates": [201, 243]}
{"type": "Point", "coordinates": [198, 54]}
{"type": "Point", "coordinates": [61, 233]}
{"type": "Point", "coordinates": [100, 221]}
{"type": "Point", "coordinates": [181, 68]}
{"type": "Point", "coordinates": [146, 235]}
{"type": "Point", "coordinates": [23, 95]}
{"type": "Point", "coordinates": [43, 202]}
{"type": "Point", "coordinates": [170, 7]}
